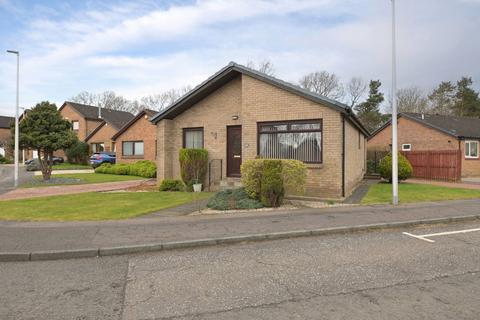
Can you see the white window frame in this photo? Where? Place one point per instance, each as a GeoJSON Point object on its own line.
{"type": "Point", "coordinates": [407, 144]}
{"type": "Point", "coordinates": [76, 122]}
{"type": "Point", "coordinates": [468, 155]}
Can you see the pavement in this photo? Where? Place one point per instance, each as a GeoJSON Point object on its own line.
{"type": "Point", "coordinates": [364, 276]}
{"type": "Point", "coordinates": [24, 193]}
{"type": "Point", "coordinates": [6, 177]}
{"type": "Point", "coordinates": [171, 229]}
{"type": "Point", "coordinates": [39, 173]}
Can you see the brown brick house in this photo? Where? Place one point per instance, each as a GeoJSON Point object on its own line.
{"type": "Point", "coordinates": [426, 132]}
{"type": "Point", "coordinates": [5, 135]}
{"type": "Point", "coordinates": [94, 126]}
{"type": "Point", "coordinates": [239, 113]}
{"type": "Point", "coordinates": [137, 140]}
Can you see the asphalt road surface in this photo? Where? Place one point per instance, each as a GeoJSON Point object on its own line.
{"type": "Point", "coordinates": [378, 275]}
{"type": "Point", "coordinates": [6, 177]}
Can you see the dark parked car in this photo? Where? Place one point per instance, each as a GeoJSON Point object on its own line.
{"type": "Point", "coordinates": [102, 157]}
{"type": "Point", "coordinates": [56, 160]}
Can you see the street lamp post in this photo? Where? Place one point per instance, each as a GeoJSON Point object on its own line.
{"type": "Point", "coordinates": [15, 175]}
{"type": "Point", "coordinates": [394, 114]}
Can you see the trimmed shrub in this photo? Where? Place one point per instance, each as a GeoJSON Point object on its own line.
{"type": "Point", "coordinates": [171, 185]}
{"type": "Point", "coordinates": [405, 169]}
{"type": "Point", "coordinates": [144, 168]}
{"type": "Point", "coordinates": [78, 152]}
{"type": "Point", "coordinates": [4, 160]}
{"type": "Point", "coordinates": [193, 166]}
{"type": "Point", "coordinates": [271, 189]}
{"type": "Point", "coordinates": [233, 199]}
{"type": "Point", "coordinates": [293, 174]}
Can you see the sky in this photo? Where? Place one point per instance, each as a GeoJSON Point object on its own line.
{"type": "Point", "coordinates": [137, 48]}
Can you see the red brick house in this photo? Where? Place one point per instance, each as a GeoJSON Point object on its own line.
{"type": "Point", "coordinates": [426, 132]}
{"type": "Point", "coordinates": [5, 135]}
{"type": "Point", "coordinates": [137, 140]}
{"type": "Point", "coordinates": [240, 113]}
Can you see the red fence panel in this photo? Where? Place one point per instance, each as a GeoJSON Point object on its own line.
{"type": "Point", "coordinates": [436, 165]}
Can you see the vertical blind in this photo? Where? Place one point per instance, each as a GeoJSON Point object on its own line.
{"type": "Point", "coordinates": [193, 138]}
{"type": "Point", "coordinates": [299, 140]}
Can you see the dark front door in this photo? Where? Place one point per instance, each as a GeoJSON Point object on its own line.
{"type": "Point", "coordinates": [234, 150]}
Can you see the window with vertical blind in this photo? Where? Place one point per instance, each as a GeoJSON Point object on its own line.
{"type": "Point", "coordinates": [193, 138]}
{"type": "Point", "coordinates": [471, 149]}
{"type": "Point", "coordinates": [132, 148]}
{"type": "Point", "coordinates": [298, 140]}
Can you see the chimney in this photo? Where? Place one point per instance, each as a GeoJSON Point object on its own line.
{"type": "Point", "coordinates": [423, 116]}
{"type": "Point", "coordinates": [99, 112]}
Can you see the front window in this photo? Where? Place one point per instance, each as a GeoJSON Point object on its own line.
{"type": "Point", "coordinates": [98, 147]}
{"type": "Point", "coordinates": [132, 148]}
{"type": "Point", "coordinates": [193, 138]}
{"type": "Point", "coordinates": [75, 125]}
{"type": "Point", "coordinates": [406, 147]}
{"type": "Point", "coordinates": [471, 149]}
{"type": "Point", "coordinates": [298, 140]}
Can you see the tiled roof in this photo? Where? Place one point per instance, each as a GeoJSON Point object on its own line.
{"type": "Point", "coordinates": [114, 117]}
{"type": "Point", "coordinates": [6, 121]}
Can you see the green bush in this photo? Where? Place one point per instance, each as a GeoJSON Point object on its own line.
{"type": "Point", "coordinates": [78, 152]}
{"type": "Point", "coordinates": [4, 160]}
{"type": "Point", "coordinates": [293, 173]}
{"type": "Point", "coordinates": [144, 168]}
{"type": "Point", "coordinates": [405, 169]}
{"type": "Point", "coordinates": [271, 188]}
{"type": "Point", "coordinates": [171, 185]}
{"type": "Point", "coordinates": [193, 166]}
{"type": "Point", "coordinates": [233, 199]}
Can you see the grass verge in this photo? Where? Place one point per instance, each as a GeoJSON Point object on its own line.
{"type": "Point", "coordinates": [409, 192]}
{"type": "Point", "coordinates": [94, 206]}
{"type": "Point", "coordinates": [71, 166]}
{"type": "Point", "coordinates": [78, 178]}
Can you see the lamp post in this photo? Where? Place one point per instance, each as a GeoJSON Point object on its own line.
{"type": "Point", "coordinates": [394, 114]}
{"type": "Point", "coordinates": [15, 175]}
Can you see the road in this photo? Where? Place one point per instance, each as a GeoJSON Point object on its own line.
{"type": "Point", "coordinates": [6, 177]}
{"type": "Point", "coordinates": [377, 275]}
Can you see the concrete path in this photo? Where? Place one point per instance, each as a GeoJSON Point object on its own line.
{"type": "Point", "coordinates": [24, 193]}
{"type": "Point", "coordinates": [169, 227]}
{"type": "Point", "coordinates": [446, 184]}
{"type": "Point", "coordinates": [361, 191]}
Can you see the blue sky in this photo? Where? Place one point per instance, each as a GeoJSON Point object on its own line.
{"type": "Point", "coordinates": [144, 47]}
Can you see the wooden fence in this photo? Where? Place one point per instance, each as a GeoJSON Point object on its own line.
{"type": "Point", "coordinates": [436, 165]}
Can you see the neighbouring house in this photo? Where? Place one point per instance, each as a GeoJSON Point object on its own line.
{"type": "Point", "coordinates": [428, 132]}
{"type": "Point", "coordinates": [94, 125]}
{"type": "Point", "coordinates": [137, 140]}
{"type": "Point", "coordinates": [239, 114]}
{"type": "Point", "coordinates": [5, 135]}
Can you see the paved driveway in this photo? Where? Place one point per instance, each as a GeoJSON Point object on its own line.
{"type": "Point", "coordinates": [6, 176]}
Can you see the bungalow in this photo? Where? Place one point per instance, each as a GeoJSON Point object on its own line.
{"type": "Point", "coordinates": [239, 114]}
{"type": "Point", "coordinates": [5, 134]}
{"type": "Point", "coordinates": [95, 125]}
{"type": "Point", "coordinates": [137, 139]}
{"type": "Point", "coordinates": [428, 132]}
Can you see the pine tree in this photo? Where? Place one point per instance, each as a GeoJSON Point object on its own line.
{"type": "Point", "coordinates": [369, 111]}
{"type": "Point", "coordinates": [467, 102]}
{"type": "Point", "coordinates": [442, 98]}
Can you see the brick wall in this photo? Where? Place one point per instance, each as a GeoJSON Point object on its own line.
{"type": "Point", "coordinates": [255, 101]}
{"type": "Point", "coordinates": [418, 135]}
{"type": "Point", "coordinates": [103, 135]}
{"type": "Point", "coordinates": [141, 130]}
{"type": "Point", "coordinates": [470, 167]}
{"type": "Point", "coordinates": [85, 126]}
{"type": "Point", "coordinates": [355, 157]}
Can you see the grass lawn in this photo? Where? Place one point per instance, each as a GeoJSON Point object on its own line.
{"type": "Point", "coordinates": [84, 179]}
{"type": "Point", "coordinates": [94, 206]}
{"type": "Point", "coordinates": [409, 192]}
{"type": "Point", "coordinates": [71, 166]}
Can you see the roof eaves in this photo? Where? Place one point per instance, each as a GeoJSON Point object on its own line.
{"type": "Point", "coordinates": [429, 125]}
{"type": "Point", "coordinates": [95, 131]}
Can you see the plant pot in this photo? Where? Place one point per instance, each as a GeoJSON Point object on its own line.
{"type": "Point", "coordinates": [197, 187]}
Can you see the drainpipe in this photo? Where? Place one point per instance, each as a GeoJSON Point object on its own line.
{"type": "Point", "coordinates": [343, 155]}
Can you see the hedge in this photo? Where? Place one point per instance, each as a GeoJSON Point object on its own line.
{"type": "Point", "coordinates": [144, 168]}
{"type": "Point", "coordinates": [193, 166]}
{"type": "Point", "coordinates": [171, 185]}
{"type": "Point", "coordinates": [405, 169]}
{"type": "Point", "coordinates": [233, 199]}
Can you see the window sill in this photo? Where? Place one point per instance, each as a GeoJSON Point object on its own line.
{"type": "Point", "coordinates": [472, 158]}
{"type": "Point", "coordinates": [314, 165]}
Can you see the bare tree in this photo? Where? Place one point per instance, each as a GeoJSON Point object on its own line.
{"type": "Point", "coordinates": [324, 83]}
{"type": "Point", "coordinates": [412, 99]}
{"type": "Point", "coordinates": [163, 100]}
{"type": "Point", "coordinates": [106, 100]}
{"type": "Point", "coordinates": [355, 90]}
{"type": "Point", "coordinates": [265, 66]}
